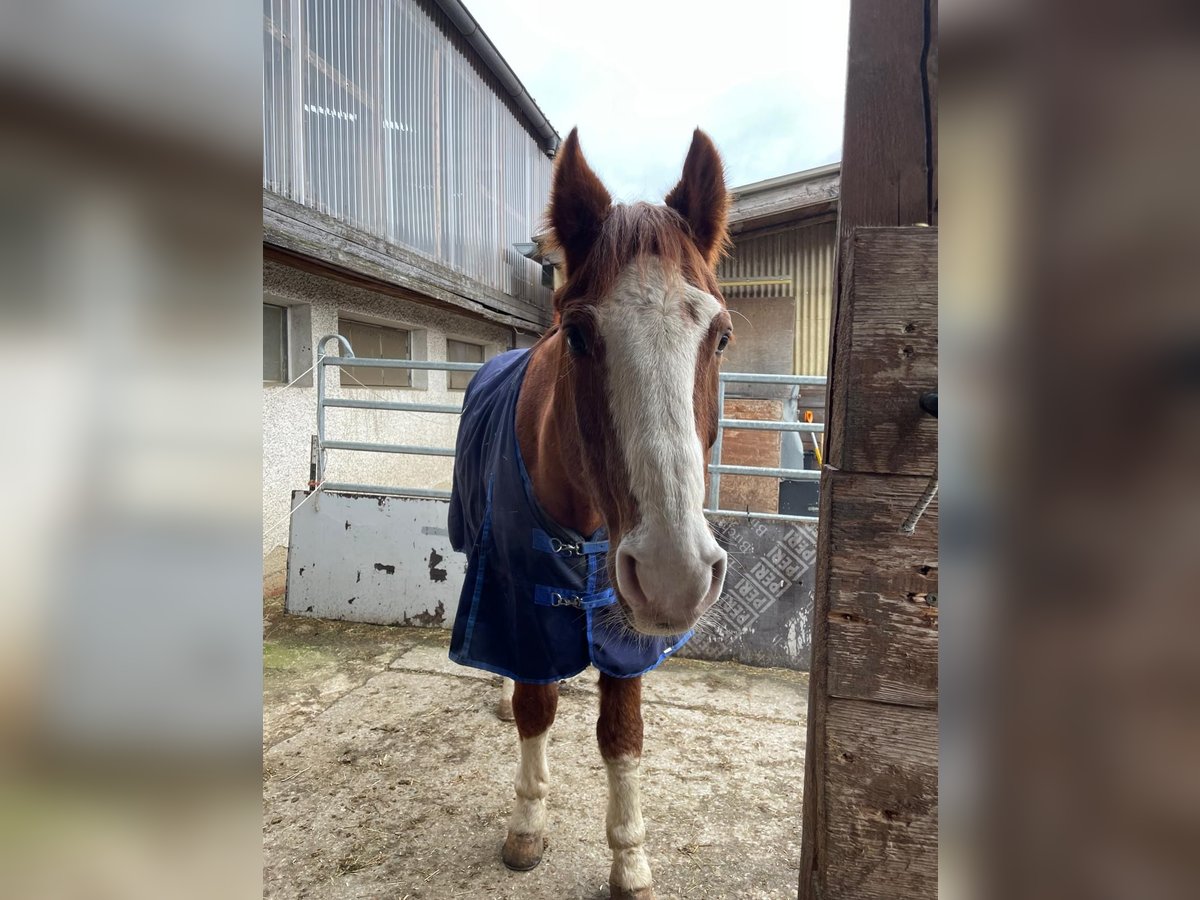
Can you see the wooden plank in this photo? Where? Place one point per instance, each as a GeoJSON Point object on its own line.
{"type": "Point", "coordinates": [931, 107]}
{"type": "Point", "coordinates": [889, 135]}
{"type": "Point", "coordinates": [304, 231]}
{"type": "Point", "coordinates": [886, 354]}
{"type": "Point", "coordinates": [882, 802]}
{"type": "Point", "coordinates": [882, 616]}
{"type": "Point", "coordinates": [870, 795]}
{"type": "Point", "coordinates": [351, 277]}
{"type": "Point", "coordinates": [888, 145]}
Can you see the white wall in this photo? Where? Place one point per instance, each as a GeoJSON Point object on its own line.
{"type": "Point", "coordinates": [289, 413]}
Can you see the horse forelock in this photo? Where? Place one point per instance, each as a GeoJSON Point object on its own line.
{"type": "Point", "coordinates": [632, 234]}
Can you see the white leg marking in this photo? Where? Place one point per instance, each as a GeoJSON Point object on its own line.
{"type": "Point", "coordinates": [533, 784]}
{"type": "Point", "coordinates": [624, 825]}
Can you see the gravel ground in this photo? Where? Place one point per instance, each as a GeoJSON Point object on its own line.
{"type": "Point", "coordinates": [387, 774]}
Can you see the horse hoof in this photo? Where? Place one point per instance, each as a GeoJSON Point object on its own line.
{"type": "Point", "coordinates": [620, 893]}
{"type": "Point", "coordinates": [523, 852]}
{"type": "Point", "coordinates": [504, 710]}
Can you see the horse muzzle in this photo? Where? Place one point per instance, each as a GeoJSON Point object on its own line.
{"type": "Point", "coordinates": [669, 578]}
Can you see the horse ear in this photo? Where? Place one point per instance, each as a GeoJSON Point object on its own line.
{"type": "Point", "coordinates": [701, 198]}
{"type": "Point", "coordinates": [579, 202]}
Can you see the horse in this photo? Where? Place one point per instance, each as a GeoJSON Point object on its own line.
{"type": "Point", "coordinates": [595, 439]}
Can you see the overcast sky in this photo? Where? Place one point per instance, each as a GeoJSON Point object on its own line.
{"type": "Point", "coordinates": [765, 78]}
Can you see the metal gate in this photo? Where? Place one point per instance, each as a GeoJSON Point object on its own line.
{"type": "Point", "coordinates": [381, 553]}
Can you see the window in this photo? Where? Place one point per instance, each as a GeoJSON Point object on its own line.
{"type": "Point", "coordinates": [275, 344]}
{"type": "Point", "coordinates": [376, 342]}
{"type": "Point", "coordinates": [461, 351]}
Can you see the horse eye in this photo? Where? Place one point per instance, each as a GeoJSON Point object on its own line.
{"type": "Point", "coordinates": [575, 341]}
{"type": "Point", "coordinates": [724, 342]}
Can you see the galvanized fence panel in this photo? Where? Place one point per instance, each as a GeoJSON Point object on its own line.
{"type": "Point", "coordinates": [716, 468]}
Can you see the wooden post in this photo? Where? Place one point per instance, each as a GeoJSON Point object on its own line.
{"type": "Point", "coordinates": [870, 795]}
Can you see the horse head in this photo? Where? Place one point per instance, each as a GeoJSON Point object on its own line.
{"type": "Point", "coordinates": [641, 326]}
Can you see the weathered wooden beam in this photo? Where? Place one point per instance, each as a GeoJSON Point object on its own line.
{"type": "Point", "coordinates": [304, 231]}
{"type": "Point", "coordinates": [874, 629]}
{"type": "Point", "coordinates": [885, 357]}
{"type": "Point", "coordinates": [357, 279]}
{"type": "Point", "coordinates": [882, 802]}
{"type": "Point", "coordinates": [889, 147]}
{"type": "Point", "coordinates": [870, 790]}
{"type": "Point", "coordinates": [882, 614]}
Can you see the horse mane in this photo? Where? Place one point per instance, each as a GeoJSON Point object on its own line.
{"type": "Point", "coordinates": [633, 233]}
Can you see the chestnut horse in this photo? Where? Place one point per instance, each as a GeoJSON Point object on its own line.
{"type": "Point", "coordinates": [615, 418]}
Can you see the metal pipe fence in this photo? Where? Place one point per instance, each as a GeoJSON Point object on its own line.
{"type": "Point", "coordinates": [716, 468]}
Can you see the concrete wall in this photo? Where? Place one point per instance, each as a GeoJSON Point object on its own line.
{"type": "Point", "coordinates": [289, 412]}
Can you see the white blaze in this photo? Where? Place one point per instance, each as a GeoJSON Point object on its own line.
{"type": "Point", "coordinates": [651, 342]}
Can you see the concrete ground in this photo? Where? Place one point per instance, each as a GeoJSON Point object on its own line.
{"type": "Point", "coordinates": [387, 774]}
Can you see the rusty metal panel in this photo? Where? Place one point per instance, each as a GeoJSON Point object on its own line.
{"type": "Point", "coordinates": [789, 262]}
{"type": "Point", "coordinates": [370, 558]}
{"type": "Point", "coordinates": [377, 113]}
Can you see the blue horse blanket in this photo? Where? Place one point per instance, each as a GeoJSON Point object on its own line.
{"type": "Point", "coordinates": [536, 605]}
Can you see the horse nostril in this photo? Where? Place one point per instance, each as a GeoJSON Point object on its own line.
{"type": "Point", "coordinates": [718, 568]}
{"type": "Point", "coordinates": [718, 580]}
{"type": "Point", "coordinates": [627, 577]}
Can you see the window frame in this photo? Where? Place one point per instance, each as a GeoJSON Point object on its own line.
{"type": "Point", "coordinates": [284, 348]}
{"type": "Point", "coordinates": [450, 376]}
{"type": "Point", "coordinates": [348, 374]}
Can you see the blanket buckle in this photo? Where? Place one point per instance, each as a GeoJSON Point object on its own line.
{"type": "Point", "coordinates": [559, 546]}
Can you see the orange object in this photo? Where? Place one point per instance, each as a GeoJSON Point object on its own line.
{"type": "Point", "coordinates": [808, 416]}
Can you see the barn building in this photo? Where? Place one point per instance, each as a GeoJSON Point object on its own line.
{"type": "Point", "coordinates": [402, 161]}
{"type": "Point", "coordinates": [778, 283]}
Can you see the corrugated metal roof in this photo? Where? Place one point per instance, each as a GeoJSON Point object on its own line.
{"type": "Point", "coordinates": [788, 262]}
{"type": "Point", "coordinates": [482, 44]}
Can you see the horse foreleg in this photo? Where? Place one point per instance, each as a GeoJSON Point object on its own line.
{"type": "Point", "coordinates": [534, 706]}
{"type": "Point", "coordinates": [619, 733]}
{"type": "Point", "coordinates": [504, 707]}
